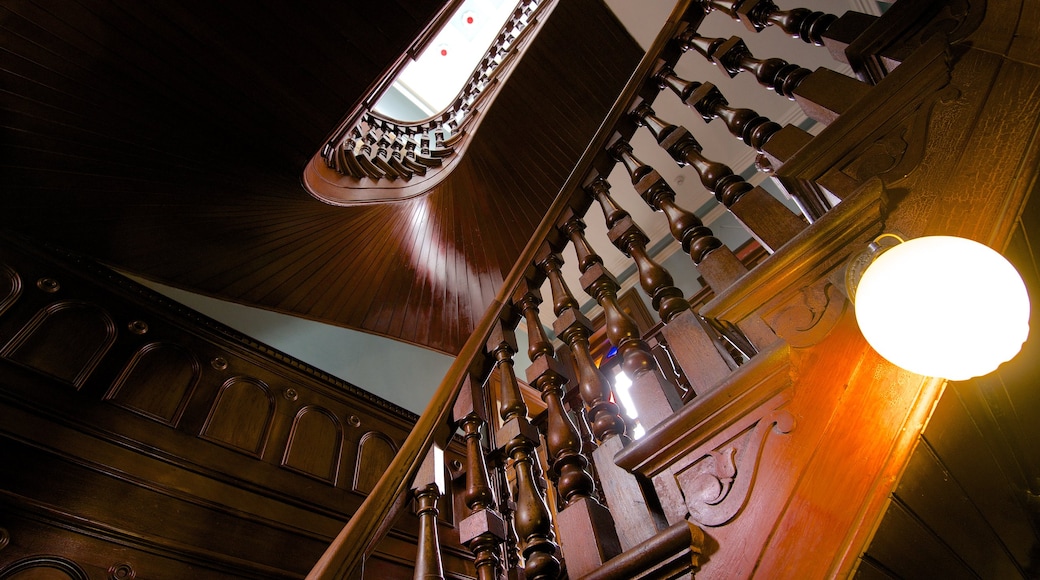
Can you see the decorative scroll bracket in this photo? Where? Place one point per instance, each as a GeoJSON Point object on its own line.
{"type": "Point", "coordinates": [717, 486]}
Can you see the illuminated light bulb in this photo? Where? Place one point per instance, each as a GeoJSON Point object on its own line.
{"type": "Point", "coordinates": [943, 306]}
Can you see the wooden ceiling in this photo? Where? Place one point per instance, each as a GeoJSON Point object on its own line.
{"type": "Point", "coordinates": [168, 140]}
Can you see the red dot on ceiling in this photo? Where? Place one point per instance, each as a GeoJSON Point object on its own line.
{"type": "Point", "coordinates": [469, 20]}
{"type": "Point", "coordinates": [444, 52]}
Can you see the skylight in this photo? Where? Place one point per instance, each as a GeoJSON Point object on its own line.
{"type": "Point", "coordinates": [428, 84]}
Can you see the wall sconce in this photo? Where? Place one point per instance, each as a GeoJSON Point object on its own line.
{"type": "Point", "coordinates": [939, 306]}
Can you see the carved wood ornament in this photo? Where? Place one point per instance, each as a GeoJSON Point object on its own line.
{"type": "Point", "coordinates": [718, 485]}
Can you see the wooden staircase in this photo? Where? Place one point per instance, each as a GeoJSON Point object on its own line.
{"type": "Point", "coordinates": [139, 438]}
{"type": "Point", "coordinates": [784, 466]}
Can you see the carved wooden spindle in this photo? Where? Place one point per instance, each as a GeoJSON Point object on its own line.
{"type": "Point", "coordinates": [705, 98]}
{"type": "Point", "coordinates": [574, 227]}
{"type": "Point", "coordinates": [696, 238]}
{"type": "Point", "coordinates": [483, 530]}
{"type": "Point", "coordinates": [622, 331]}
{"type": "Point", "coordinates": [660, 398]}
{"type": "Point", "coordinates": [734, 57]}
{"type": "Point", "coordinates": [716, 177]}
{"type": "Point", "coordinates": [575, 329]}
{"type": "Point", "coordinates": [532, 519]}
{"type": "Point", "coordinates": [764, 216]}
{"type": "Point", "coordinates": [510, 402]}
{"type": "Point", "coordinates": [428, 486]}
{"type": "Point", "coordinates": [561, 436]}
{"type": "Point", "coordinates": [519, 440]}
{"type": "Point", "coordinates": [623, 491]}
{"type": "Point", "coordinates": [802, 23]}
{"type": "Point", "coordinates": [583, 523]}
{"type": "Point", "coordinates": [628, 237]}
{"type": "Point", "coordinates": [757, 210]}
{"type": "Point", "coordinates": [823, 94]}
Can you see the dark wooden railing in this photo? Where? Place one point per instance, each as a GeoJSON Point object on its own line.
{"type": "Point", "coordinates": [599, 514]}
{"type": "Point", "coordinates": [403, 158]}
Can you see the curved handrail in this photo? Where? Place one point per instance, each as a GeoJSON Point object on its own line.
{"type": "Point", "coordinates": [374, 158]}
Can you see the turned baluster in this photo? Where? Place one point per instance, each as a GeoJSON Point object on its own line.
{"type": "Point", "coordinates": [716, 177]}
{"type": "Point", "coordinates": [706, 99]}
{"type": "Point", "coordinates": [734, 57]}
{"type": "Point", "coordinates": [428, 486]}
{"type": "Point", "coordinates": [802, 23]}
{"type": "Point", "coordinates": [716, 262]}
{"type": "Point", "coordinates": [584, 524]}
{"type": "Point", "coordinates": [382, 158]}
{"type": "Point", "coordinates": [660, 398]}
{"type": "Point", "coordinates": [364, 156]}
{"type": "Point", "coordinates": [562, 440]}
{"type": "Point", "coordinates": [697, 239]}
{"type": "Point", "coordinates": [483, 530]}
{"type": "Point", "coordinates": [519, 440]}
{"type": "Point", "coordinates": [574, 329]}
{"type": "Point", "coordinates": [823, 95]}
{"type": "Point", "coordinates": [624, 492]}
{"type": "Point", "coordinates": [511, 547]}
{"type": "Point", "coordinates": [775, 144]}
{"type": "Point", "coordinates": [601, 285]}
{"type": "Point", "coordinates": [628, 237]}
{"type": "Point", "coordinates": [764, 216]}
{"type": "Point", "coordinates": [694, 348]}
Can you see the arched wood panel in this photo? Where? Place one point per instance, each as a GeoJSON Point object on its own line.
{"type": "Point", "coordinates": [10, 287]}
{"type": "Point", "coordinates": [66, 340]}
{"type": "Point", "coordinates": [241, 416]}
{"type": "Point", "coordinates": [315, 444]}
{"type": "Point", "coordinates": [157, 382]}
{"type": "Point", "coordinates": [375, 452]}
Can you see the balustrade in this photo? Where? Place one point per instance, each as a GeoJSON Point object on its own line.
{"type": "Point", "coordinates": [483, 531]}
{"type": "Point", "coordinates": [808, 25]}
{"type": "Point", "coordinates": [406, 149]}
{"type": "Point", "coordinates": [705, 350]}
{"type": "Point", "coordinates": [765, 218]}
{"type": "Point", "coordinates": [519, 441]}
{"type": "Point", "coordinates": [706, 99]}
{"type": "Point", "coordinates": [582, 519]}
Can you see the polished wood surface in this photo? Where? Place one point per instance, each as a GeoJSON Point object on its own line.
{"type": "Point", "coordinates": [968, 499]}
{"type": "Point", "coordinates": [816, 458]}
{"type": "Point", "coordinates": [169, 141]}
{"type": "Point", "coordinates": [142, 436]}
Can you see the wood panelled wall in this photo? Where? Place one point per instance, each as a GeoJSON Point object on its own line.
{"type": "Point", "coordinates": [140, 436]}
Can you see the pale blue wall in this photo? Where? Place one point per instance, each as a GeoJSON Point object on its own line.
{"type": "Point", "coordinates": [401, 373]}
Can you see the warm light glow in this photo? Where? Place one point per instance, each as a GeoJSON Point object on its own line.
{"type": "Point", "coordinates": [943, 306]}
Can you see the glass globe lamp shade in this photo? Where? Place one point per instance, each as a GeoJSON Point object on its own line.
{"type": "Point", "coordinates": [943, 306]}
